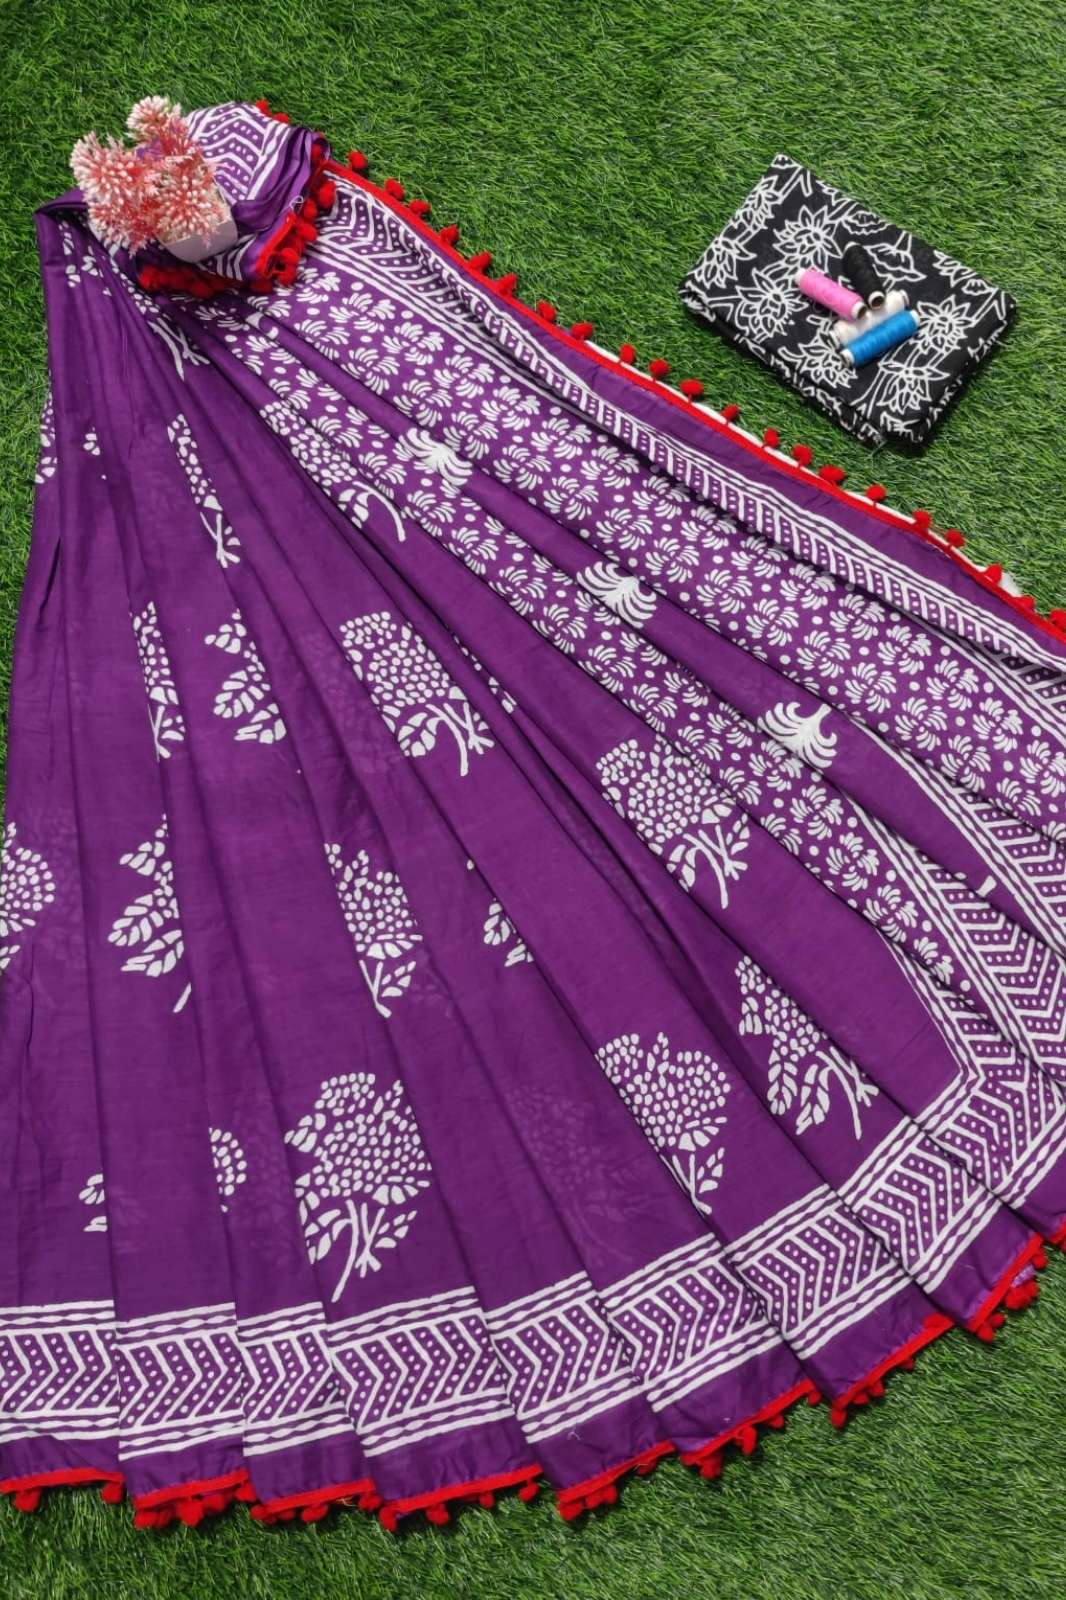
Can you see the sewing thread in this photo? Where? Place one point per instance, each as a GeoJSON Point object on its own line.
{"type": "Point", "coordinates": [878, 340]}
{"type": "Point", "coordinates": [837, 296]}
{"type": "Point", "coordinates": [845, 332]}
{"type": "Point", "coordinates": [861, 271]}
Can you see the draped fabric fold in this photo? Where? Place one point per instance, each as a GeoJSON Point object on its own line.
{"type": "Point", "coordinates": [532, 936]}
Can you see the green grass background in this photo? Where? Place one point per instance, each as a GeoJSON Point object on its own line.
{"type": "Point", "coordinates": [595, 148]}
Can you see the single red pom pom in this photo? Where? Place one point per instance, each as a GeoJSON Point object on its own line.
{"type": "Point", "coordinates": [145, 1519]}
{"type": "Point", "coordinates": [581, 330]}
{"type": "Point", "coordinates": [314, 1513]}
{"type": "Point", "coordinates": [264, 106]}
{"type": "Point", "coordinates": [309, 210]}
{"type": "Point", "coordinates": [876, 492]}
{"type": "Point", "coordinates": [731, 412]}
{"type": "Point", "coordinates": [627, 354]}
{"type": "Point", "coordinates": [877, 1389]}
{"type": "Point", "coordinates": [326, 193]}
{"type": "Point", "coordinates": [28, 1499]}
{"type": "Point", "coordinates": [508, 283]}
{"type": "Point", "coordinates": [771, 438]}
{"type": "Point", "coordinates": [1027, 602]}
{"type": "Point", "coordinates": [191, 1512]}
{"type": "Point", "coordinates": [778, 1421]}
{"type": "Point", "coordinates": [609, 1495]}
{"type": "Point", "coordinates": [747, 1439]}
{"type": "Point", "coordinates": [438, 1514]}
{"type": "Point", "coordinates": [245, 1493]}
{"type": "Point", "coordinates": [838, 1416]}
{"type": "Point", "coordinates": [1040, 1256]}
{"type": "Point", "coordinates": [815, 1397]}
{"type": "Point", "coordinates": [658, 368]}
{"type": "Point", "coordinates": [691, 387]}
{"type": "Point", "coordinates": [529, 1491]}
{"type": "Point", "coordinates": [994, 572]}
{"type": "Point", "coordinates": [569, 1509]}
{"type": "Point", "coordinates": [113, 1494]}
{"type": "Point", "coordinates": [394, 188]}
{"type": "Point", "coordinates": [482, 261]}
{"type": "Point", "coordinates": [546, 310]}
{"type": "Point", "coordinates": [281, 116]}
{"type": "Point", "coordinates": [1058, 617]}
{"type": "Point", "coordinates": [389, 1518]}
{"type": "Point", "coordinates": [908, 1364]}
{"type": "Point", "coordinates": [712, 1466]}
{"type": "Point", "coordinates": [922, 520]}
{"type": "Point", "coordinates": [289, 255]}
{"type": "Point", "coordinates": [803, 454]}
{"type": "Point", "coordinates": [357, 161]}
{"type": "Point", "coordinates": [832, 474]}
{"type": "Point", "coordinates": [287, 276]}
{"type": "Point", "coordinates": [954, 538]}
{"type": "Point", "coordinates": [488, 1499]}
{"type": "Point", "coordinates": [449, 234]}
{"type": "Point", "coordinates": [307, 231]}
{"type": "Point", "coordinates": [419, 208]}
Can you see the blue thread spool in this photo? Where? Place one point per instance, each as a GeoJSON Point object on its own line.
{"type": "Point", "coordinates": [844, 332]}
{"type": "Point", "coordinates": [873, 344]}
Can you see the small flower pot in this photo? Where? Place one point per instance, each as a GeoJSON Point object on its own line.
{"type": "Point", "coordinates": [198, 246]}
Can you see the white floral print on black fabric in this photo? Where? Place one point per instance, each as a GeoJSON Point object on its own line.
{"type": "Point", "coordinates": [745, 285]}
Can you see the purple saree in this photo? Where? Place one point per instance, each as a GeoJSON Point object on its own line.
{"type": "Point", "coordinates": [533, 927]}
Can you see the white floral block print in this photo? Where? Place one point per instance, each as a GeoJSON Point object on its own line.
{"type": "Point", "coordinates": [382, 925]}
{"type": "Point", "coordinates": [802, 735]}
{"type": "Point", "coordinates": [229, 1162]}
{"type": "Point", "coordinates": [804, 1066]}
{"type": "Point", "coordinates": [418, 701]}
{"type": "Point", "coordinates": [678, 1097]}
{"type": "Point", "coordinates": [168, 727]}
{"type": "Point", "coordinates": [27, 887]}
{"type": "Point", "coordinates": [94, 1194]}
{"type": "Point", "coordinates": [677, 811]}
{"type": "Point", "coordinates": [369, 1164]}
{"type": "Point", "coordinates": [226, 545]}
{"type": "Point", "coordinates": [245, 697]}
{"type": "Point", "coordinates": [149, 928]}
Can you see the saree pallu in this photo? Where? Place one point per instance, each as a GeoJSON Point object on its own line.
{"type": "Point", "coordinates": [533, 928]}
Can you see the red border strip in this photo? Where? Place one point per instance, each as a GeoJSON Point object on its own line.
{"type": "Point", "coordinates": [413, 213]}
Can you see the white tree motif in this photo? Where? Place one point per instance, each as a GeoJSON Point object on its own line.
{"type": "Point", "coordinates": [245, 696]}
{"type": "Point", "coordinates": [677, 811]}
{"type": "Point", "coordinates": [803, 735]}
{"type": "Point", "coordinates": [678, 1097]}
{"type": "Point", "coordinates": [501, 933]}
{"type": "Point", "coordinates": [380, 920]}
{"type": "Point", "coordinates": [27, 888]}
{"type": "Point", "coordinates": [226, 544]}
{"type": "Point", "coordinates": [369, 1157]}
{"type": "Point", "coordinates": [620, 591]}
{"type": "Point", "coordinates": [803, 1063]}
{"type": "Point", "coordinates": [168, 727]}
{"type": "Point", "coordinates": [94, 1194]}
{"type": "Point", "coordinates": [416, 698]}
{"type": "Point", "coordinates": [229, 1162]}
{"type": "Point", "coordinates": [149, 927]}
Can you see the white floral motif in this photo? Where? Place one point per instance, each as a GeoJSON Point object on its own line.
{"type": "Point", "coordinates": [149, 926]}
{"type": "Point", "coordinates": [168, 726]}
{"type": "Point", "coordinates": [677, 811]}
{"type": "Point", "coordinates": [245, 697]}
{"type": "Point", "coordinates": [678, 1097]}
{"type": "Point", "coordinates": [27, 887]}
{"type": "Point", "coordinates": [229, 1162]}
{"type": "Point", "coordinates": [426, 452]}
{"type": "Point", "coordinates": [94, 1194]}
{"type": "Point", "coordinates": [369, 1157]}
{"type": "Point", "coordinates": [381, 923]}
{"type": "Point", "coordinates": [804, 735]}
{"type": "Point", "coordinates": [803, 1063]}
{"type": "Point", "coordinates": [619, 590]}
{"type": "Point", "coordinates": [412, 691]}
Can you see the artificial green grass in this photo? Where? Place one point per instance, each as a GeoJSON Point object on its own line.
{"type": "Point", "coordinates": [595, 148]}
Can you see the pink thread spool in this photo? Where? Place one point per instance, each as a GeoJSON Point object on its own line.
{"type": "Point", "coordinates": [816, 286]}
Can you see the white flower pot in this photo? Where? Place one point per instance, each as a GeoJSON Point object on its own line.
{"type": "Point", "coordinates": [198, 246]}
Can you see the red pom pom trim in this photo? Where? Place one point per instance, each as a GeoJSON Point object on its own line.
{"type": "Point", "coordinates": [628, 354]}
{"type": "Point", "coordinates": [582, 330]}
{"type": "Point", "coordinates": [692, 387]}
{"type": "Point", "coordinates": [659, 368]}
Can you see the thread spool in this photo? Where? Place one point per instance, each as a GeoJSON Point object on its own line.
{"type": "Point", "coordinates": [844, 332]}
{"type": "Point", "coordinates": [863, 274]}
{"type": "Point", "coordinates": [837, 296]}
{"type": "Point", "coordinates": [873, 344]}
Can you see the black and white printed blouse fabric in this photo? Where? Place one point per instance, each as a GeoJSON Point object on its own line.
{"type": "Point", "coordinates": [745, 285]}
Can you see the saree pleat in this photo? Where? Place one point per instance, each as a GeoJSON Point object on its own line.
{"type": "Point", "coordinates": [539, 941]}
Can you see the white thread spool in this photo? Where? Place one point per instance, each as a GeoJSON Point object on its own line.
{"type": "Point", "coordinates": [842, 332]}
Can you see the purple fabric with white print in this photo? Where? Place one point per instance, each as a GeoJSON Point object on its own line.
{"type": "Point", "coordinates": [542, 934]}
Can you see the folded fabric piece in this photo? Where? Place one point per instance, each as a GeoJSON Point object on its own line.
{"type": "Point", "coordinates": [745, 285]}
{"type": "Point", "coordinates": [533, 930]}
{"type": "Point", "coordinates": [271, 172]}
